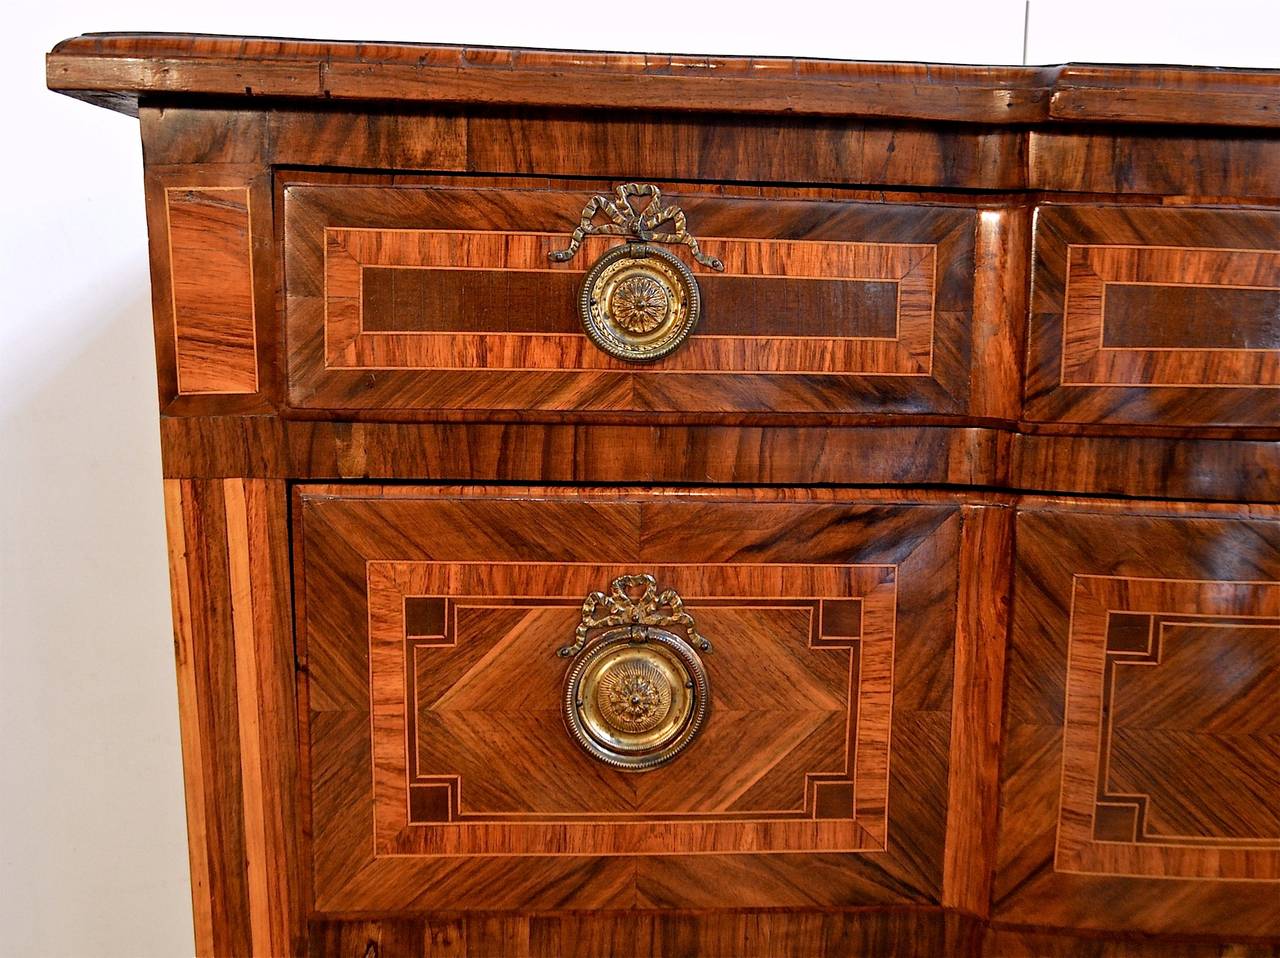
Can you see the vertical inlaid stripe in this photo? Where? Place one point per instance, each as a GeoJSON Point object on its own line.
{"type": "Point", "coordinates": [211, 280]}
{"type": "Point", "coordinates": [248, 709]}
{"type": "Point", "coordinates": [189, 711]}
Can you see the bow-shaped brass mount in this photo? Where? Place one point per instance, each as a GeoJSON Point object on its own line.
{"type": "Point", "coordinates": [622, 606]}
{"type": "Point", "coordinates": [641, 224]}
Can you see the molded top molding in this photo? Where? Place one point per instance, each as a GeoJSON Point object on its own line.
{"type": "Point", "coordinates": [116, 69]}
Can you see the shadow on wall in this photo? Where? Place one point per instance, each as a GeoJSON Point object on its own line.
{"type": "Point", "coordinates": [88, 701]}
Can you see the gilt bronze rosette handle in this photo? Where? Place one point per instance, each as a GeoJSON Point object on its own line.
{"type": "Point", "coordinates": [639, 302]}
{"type": "Point", "coordinates": [637, 693]}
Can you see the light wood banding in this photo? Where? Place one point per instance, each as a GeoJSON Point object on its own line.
{"type": "Point", "coordinates": [1090, 355]}
{"type": "Point", "coordinates": [1094, 711]}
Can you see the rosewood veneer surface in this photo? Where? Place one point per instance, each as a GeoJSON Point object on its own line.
{"type": "Point", "coordinates": [970, 473]}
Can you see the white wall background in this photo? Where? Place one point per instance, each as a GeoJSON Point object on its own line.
{"type": "Point", "coordinates": [92, 840]}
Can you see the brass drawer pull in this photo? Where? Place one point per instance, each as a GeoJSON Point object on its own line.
{"type": "Point", "coordinates": [638, 302]}
{"type": "Point", "coordinates": [638, 693]}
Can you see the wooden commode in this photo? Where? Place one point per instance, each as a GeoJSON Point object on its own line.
{"type": "Point", "coordinates": [632, 505]}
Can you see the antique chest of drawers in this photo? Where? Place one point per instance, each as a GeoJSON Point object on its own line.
{"type": "Point", "coordinates": [646, 505]}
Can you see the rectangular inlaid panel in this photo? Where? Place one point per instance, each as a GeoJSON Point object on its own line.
{"type": "Point", "coordinates": [865, 330]}
{"type": "Point", "coordinates": [812, 708]}
{"type": "Point", "coordinates": [1141, 719]}
{"type": "Point", "coordinates": [1155, 315]}
{"type": "Point", "coordinates": [430, 300]}
{"type": "Point", "coordinates": [211, 270]}
{"type": "Point", "coordinates": [438, 748]}
{"type": "Point", "coordinates": [1217, 317]}
{"type": "Point", "coordinates": [438, 297]}
{"type": "Point", "coordinates": [1141, 772]}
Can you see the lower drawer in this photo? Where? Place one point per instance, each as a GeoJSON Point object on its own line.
{"type": "Point", "coordinates": [447, 769]}
{"type": "Point", "coordinates": [1141, 750]}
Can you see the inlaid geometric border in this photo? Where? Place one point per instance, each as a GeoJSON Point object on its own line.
{"type": "Point", "coordinates": [1092, 268]}
{"type": "Point", "coordinates": [439, 798]}
{"type": "Point", "coordinates": [348, 252]}
{"type": "Point", "coordinates": [1127, 813]}
{"type": "Point", "coordinates": [1086, 731]}
{"type": "Point", "coordinates": [865, 784]}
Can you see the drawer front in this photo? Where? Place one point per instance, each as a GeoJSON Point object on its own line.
{"type": "Point", "coordinates": [425, 298]}
{"type": "Point", "coordinates": [1155, 316]}
{"type": "Point", "coordinates": [442, 772]}
{"type": "Point", "coordinates": [1141, 768]}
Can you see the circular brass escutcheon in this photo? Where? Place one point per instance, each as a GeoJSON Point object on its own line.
{"type": "Point", "coordinates": [639, 303]}
{"type": "Point", "coordinates": [636, 698]}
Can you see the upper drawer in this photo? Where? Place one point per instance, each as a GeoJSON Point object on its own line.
{"type": "Point", "coordinates": [1155, 316]}
{"type": "Point", "coordinates": [442, 298]}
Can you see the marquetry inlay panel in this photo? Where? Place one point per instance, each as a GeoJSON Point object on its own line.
{"type": "Point", "coordinates": [1118, 296]}
{"type": "Point", "coordinates": [211, 285]}
{"type": "Point", "coordinates": [434, 297]}
{"type": "Point", "coordinates": [854, 277]}
{"type": "Point", "coordinates": [1168, 678]}
{"type": "Point", "coordinates": [436, 738]}
{"type": "Point", "coordinates": [1168, 316]}
{"type": "Point", "coordinates": [1140, 773]}
{"type": "Point", "coordinates": [812, 707]}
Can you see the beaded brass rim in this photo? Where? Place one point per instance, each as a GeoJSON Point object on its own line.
{"type": "Point", "coordinates": [639, 303]}
{"type": "Point", "coordinates": [636, 698]}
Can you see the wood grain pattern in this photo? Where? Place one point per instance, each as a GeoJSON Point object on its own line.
{"type": "Point", "coordinates": [1076, 372]}
{"type": "Point", "coordinates": [117, 68]}
{"type": "Point", "coordinates": [367, 550]}
{"type": "Point", "coordinates": [982, 633]}
{"type": "Point", "coordinates": [1116, 295]}
{"type": "Point", "coordinates": [1002, 256]}
{"type": "Point", "coordinates": [234, 652]}
{"type": "Point", "coordinates": [743, 934]}
{"type": "Point", "coordinates": [1021, 943]}
{"type": "Point", "coordinates": [187, 134]}
{"type": "Point", "coordinates": [211, 264]}
{"type": "Point", "coordinates": [523, 452]}
{"type": "Point", "coordinates": [1226, 97]}
{"type": "Point", "coordinates": [814, 716]}
{"type": "Point", "coordinates": [99, 64]}
{"type": "Point", "coordinates": [776, 149]}
{"type": "Point", "coordinates": [623, 145]}
{"type": "Point", "coordinates": [1161, 468]}
{"type": "Point", "coordinates": [1060, 862]}
{"type": "Point", "coordinates": [1140, 768]}
{"type": "Point", "coordinates": [231, 332]}
{"type": "Point", "coordinates": [1122, 160]}
{"type": "Point", "coordinates": [864, 333]}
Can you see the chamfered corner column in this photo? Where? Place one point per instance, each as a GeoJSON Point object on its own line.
{"type": "Point", "coordinates": [229, 574]}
